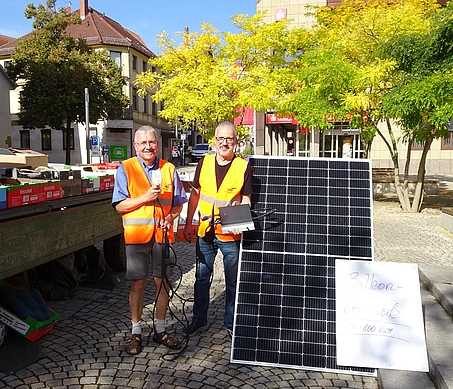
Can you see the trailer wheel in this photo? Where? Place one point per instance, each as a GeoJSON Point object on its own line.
{"type": "Point", "coordinates": [115, 252]}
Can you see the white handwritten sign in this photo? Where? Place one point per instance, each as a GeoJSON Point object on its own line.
{"type": "Point", "coordinates": [379, 316]}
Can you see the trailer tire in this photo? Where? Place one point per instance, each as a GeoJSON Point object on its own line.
{"type": "Point", "coordinates": [115, 252]}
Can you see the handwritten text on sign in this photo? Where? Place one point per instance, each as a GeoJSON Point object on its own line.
{"type": "Point", "coordinates": [379, 316]}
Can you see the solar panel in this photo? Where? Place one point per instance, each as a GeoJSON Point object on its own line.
{"type": "Point", "coordinates": [285, 299]}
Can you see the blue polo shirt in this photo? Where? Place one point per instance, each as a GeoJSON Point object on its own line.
{"type": "Point", "coordinates": [120, 191]}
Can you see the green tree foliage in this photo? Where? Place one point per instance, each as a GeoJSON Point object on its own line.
{"type": "Point", "coordinates": [210, 77]}
{"type": "Point", "coordinates": [421, 102]}
{"type": "Point", "coordinates": [375, 63]}
{"type": "Point", "coordinates": [57, 68]}
{"type": "Point", "coordinates": [382, 46]}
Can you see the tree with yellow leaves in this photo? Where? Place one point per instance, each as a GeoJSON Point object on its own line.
{"type": "Point", "coordinates": [211, 76]}
{"type": "Point", "coordinates": [355, 73]}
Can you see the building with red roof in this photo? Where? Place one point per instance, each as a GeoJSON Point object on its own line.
{"type": "Point", "coordinates": [130, 53]}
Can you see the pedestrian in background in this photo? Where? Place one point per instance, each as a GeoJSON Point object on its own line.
{"type": "Point", "coordinates": [220, 179]}
{"type": "Point", "coordinates": [149, 196]}
{"type": "Point", "coordinates": [175, 155]}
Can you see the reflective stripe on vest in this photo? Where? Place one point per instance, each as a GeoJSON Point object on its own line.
{"type": "Point", "coordinates": [141, 224]}
{"type": "Point", "coordinates": [211, 199]}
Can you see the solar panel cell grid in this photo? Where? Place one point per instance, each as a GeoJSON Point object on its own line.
{"type": "Point", "coordinates": [285, 309]}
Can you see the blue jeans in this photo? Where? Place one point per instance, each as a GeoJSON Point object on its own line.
{"type": "Point", "coordinates": [206, 253]}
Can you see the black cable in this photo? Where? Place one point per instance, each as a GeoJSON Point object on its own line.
{"type": "Point", "coordinates": [265, 212]}
{"type": "Point", "coordinates": [171, 291]}
{"type": "Point", "coordinates": [173, 354]}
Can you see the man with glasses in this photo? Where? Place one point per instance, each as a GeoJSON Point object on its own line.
{"type": "Point", "coordinates": [220, 179]}
{"type": "Point", "coordinates": [149, 196]}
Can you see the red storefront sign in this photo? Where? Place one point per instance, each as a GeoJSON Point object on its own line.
{"type": "Point", "coordinates": [275, 119]}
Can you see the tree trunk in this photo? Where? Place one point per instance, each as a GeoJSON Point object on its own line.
{"type": "Point", "coordinates": [403, 196]}
{"type": "Point", "coordinates": [405, 184]}
{"type": "Point", "coordinates": [418, 195]}
{"type": "Point", "coordinates": [366, 147]}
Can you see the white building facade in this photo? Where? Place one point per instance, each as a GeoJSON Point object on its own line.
{"type": "Point", "coordinates": [283, 136]}
{"type": "Point", "coordinates": [105, 140]}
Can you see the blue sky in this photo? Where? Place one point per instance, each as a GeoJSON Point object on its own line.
{"type": "Point", "coordinates": [144, 17]}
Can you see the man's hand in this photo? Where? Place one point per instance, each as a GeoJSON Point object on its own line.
{"type": "Point", "coordinates": [234, 231]}
{"type": "Point", "coordinates": [188, 231]}
{"type": "Point", "coordinates": [167, 222]}
{"type": "Point", "coordinates": [133, 203]}
{"type": "Point", "coordinates": [152, 194]}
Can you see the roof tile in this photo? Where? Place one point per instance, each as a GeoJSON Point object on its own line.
{"type": "Point", "coordinates": [96, 29]}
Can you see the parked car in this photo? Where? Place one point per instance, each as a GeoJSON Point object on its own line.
{"type": "Point", "coordinates": [199, 150]}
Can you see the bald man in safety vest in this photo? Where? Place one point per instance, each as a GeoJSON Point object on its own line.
{"type": "Point", "coordinates": [149, 196]}
{"type": "Point", "coordinates": [220, 179]}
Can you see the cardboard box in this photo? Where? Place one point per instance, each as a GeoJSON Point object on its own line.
{"type": "Point", "coordinates": [3, 204]}
{"type": "Point", "coordinates": [24, 157]}
{"type": "Point", "coordinates": [12, 161]}
{"type": "Point", "coordinates": [71, 182]}
{"type": "Point", "coordinates": [18, 194]}
{"type": "Point", "coordinates": [99, 181]}
{"type": "Point", "coordinates": [107, 182]}
{"type": "Point", "coordinates": [26, 191]}
{"type": "Point", "coordinates": [105, 166]}
{"type": "Point", "coordinates": [90, 185]}
{"type": "Point", "coordinates": [70, 174]}
{"type": "Point", "coordinates": [31, 328]}
{"type": "Point", "coordinates": [71, 187]}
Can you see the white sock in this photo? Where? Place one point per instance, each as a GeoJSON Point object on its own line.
{"type": "Point", "coordinates": [159, 325]}
{"type": "Point", "coordinates": [136, 328]}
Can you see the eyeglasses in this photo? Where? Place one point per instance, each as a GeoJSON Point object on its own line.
{"type": "Point", "coordinates": [220, 139]}
{"type": "Point", "coordinates": [147, 143]}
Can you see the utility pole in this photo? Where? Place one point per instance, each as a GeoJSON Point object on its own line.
{"type": "Point", "coordinates": [87, 123]}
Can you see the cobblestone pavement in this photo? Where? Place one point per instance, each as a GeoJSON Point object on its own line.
{"type": "Point", "coordinates": [85, 349]}
{"type": "Point", "coordinates": [410, 237]}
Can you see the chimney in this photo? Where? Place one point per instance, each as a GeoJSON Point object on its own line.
{"type": "Point", "coordinates": [83, 11]}
{"type": "Point", "coordinates": [186, 35]}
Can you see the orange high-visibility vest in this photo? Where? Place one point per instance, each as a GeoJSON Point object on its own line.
{"type": "Point", "coordinates": [211, 199]}
{"type": "Point", "coordinates": [142, 223]}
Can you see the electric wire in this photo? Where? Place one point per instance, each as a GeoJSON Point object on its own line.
{"type": "Point", "coordinates": [172, 291]}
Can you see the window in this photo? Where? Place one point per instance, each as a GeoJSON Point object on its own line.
{"type": "Point", "coordinates": [304, 142]}
{"type": "Point", "coordinates": [145, 104]}
{"type": "Point", "coordinates": [145, 66]}
{"type": "Point", "coordinates": [115, 56]}
{"type": "Point", "coordinates": [154, 109]}
{"type": "Point", "coordinates": [24, 139]}
{"type": "Point", "coordinates": [447, 142]}
{"type": "Point", "coordinates": [417, 145]}
{"type": "Point", "coordinates": [46, 141]}
{"type": "Point", "coordinates": [153, 69]}
{"type": "Point", "coordinates": [134, 99]}
{"type": "Point", "coordinates": [134, 62]}
{"type": "Point", "coordinates": [71, 139]}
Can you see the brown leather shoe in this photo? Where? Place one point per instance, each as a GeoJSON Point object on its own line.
{"type": "Point", "coordinates": [134, 344]}
{"type": "Point", "coordinates": [167, 339]}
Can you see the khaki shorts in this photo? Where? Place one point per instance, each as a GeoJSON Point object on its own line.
{"type": "Point", "coordinates": [138, 257]}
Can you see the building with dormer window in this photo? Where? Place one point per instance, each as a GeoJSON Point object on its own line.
{"type": "Point", "coordinates": [114, 137]}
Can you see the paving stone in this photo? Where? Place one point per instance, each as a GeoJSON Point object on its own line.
{"type": "Point", "coordinates": [86, 347]}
